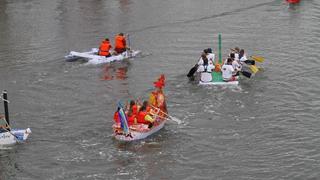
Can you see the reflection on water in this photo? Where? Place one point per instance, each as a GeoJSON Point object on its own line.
{"type": "Point", "coordinates": [111, 72]}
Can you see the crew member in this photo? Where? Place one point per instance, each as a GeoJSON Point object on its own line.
{"type": "Point", "coordinates": [205, 69]}
{"type": "Point", "coordinates": [228, 71]}
{"type": "Point", "coordinates": [120, 43]}
{"type": "Point", "coordinates": [104, 48]}
{"type": "Point", "coordinates": [143, 115]}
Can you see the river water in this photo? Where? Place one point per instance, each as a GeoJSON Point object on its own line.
{"type": "Point", "coordinates": [267, 128]}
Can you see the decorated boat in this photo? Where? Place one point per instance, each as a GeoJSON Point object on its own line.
{"type": "Point", "coordinates": [93, 57]}
{"type": "Point", "coordinates": [137, 131]}
{"type": "Point", "coordinates": [9, 136]}
{"type": "Point", "coordinates": [124, 130]}
{"type": "Point", "coordinates": [214, 77]}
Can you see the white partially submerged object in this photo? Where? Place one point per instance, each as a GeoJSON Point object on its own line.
{"type": "Point", "coordinates": [10, 136]}
{"type": "Point", "coordinates": [93, 57]}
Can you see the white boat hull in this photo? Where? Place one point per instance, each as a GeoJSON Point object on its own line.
{"type": "Point", "coordinates": [93, 58]}
{"type": "Point", "coordinates": [14, 136]}
{"type": "Point", "coordinates": [136, 135]}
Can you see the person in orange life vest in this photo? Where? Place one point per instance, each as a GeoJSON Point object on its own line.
{"type": "Point", "coordinates": [104, 48]}
{"type": "Point", "coordinates": [116, 117]}
{"type": "Point", "coordinates": [132, 113]}
{"type": "Point", "coordinates": [143, 115]}
{"type": "Point", "coordinates": [120, 43]}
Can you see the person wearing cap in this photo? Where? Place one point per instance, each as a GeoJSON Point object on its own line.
{"type": "Point", "coordinates": [104, 48]}
{"type": "Point", "coordinates": [120, 43]}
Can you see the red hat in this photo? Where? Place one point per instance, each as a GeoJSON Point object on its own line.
{"type": "Point", "coordinates": [158, 84]}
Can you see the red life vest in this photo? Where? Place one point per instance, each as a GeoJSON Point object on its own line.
{"type": "Point", "coordinates": [141, 116]}
{"type": "Point", "coordinates": [120, 42]}
{"type": "Point", "coordinates": [135, 109]}
{"type": "Point", "coordinates": [104, 48]}
{"type": "Point", "coordinates": [131, 119]}
{"type": "Point", "coordinates": [116, 117]}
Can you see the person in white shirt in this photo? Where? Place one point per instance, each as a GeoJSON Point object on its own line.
{"type": "Point", "coordinates": [228, 71]}
{"type": "Point", "coordinates": [210, 55]}
{"type": "Point", "coordinates": [243, 58]}
{"type": "Point", "coordinates": [205, 69]}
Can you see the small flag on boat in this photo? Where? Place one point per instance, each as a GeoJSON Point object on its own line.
{"type": "Point", "coordinates": [123, 120]}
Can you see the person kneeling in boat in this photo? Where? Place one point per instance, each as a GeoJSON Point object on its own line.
{"type": "Point", "coordinates": [205, 69]}
{"type": "Point", "coordinates": [228, 71]}
{"type": "Point", "coordinates": [104, 48]}
{"type": "Point", "coordinates": [144, 116]}
{"type": "Point", "coordinates": [120, 43]}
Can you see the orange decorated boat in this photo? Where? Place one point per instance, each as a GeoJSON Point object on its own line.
{"type": "Point", "coordinates": [123, 130]}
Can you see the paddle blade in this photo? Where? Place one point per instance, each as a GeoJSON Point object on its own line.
{"type": "Point", "coordinates": [246, 74]}
{"type": "Point", "coordinates": [258, 58]}
{"type": "Point", "coordinates": [254, 68]}
{"type": "Point", "coordinates": [192, 71]}
{"type": "Point", "coordinates": [178, 121]}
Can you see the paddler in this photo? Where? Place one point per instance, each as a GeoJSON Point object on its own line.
{"type": "Point", "coordinates": [132, 113]}
{"type": "Point", "coordinates": [243, 58]}
{"type": "Point", "coordinates": [144, 116]}
{"type": "Point", "coordinates": [104, 48]}
{"type": "Point", "coordinates": [205, 69]}
{"type": "Point", "coordinates": [228, 71]}
{"type": "Point", "coordinates": [120, 43]}
{"type": "Point", "coordinates": [210, 55]}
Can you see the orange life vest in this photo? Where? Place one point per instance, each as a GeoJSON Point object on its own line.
{"type": "Point", "coordinates": [131, 119]}
{"type": "Point", "coordinates": [141, 116]}
{"type": "Point", "coordinates": [116, 117]}
{"type": "Point", "coordinates": [135, 109]}
{"type": "Point", "coordinates": [120, 42]}
{"type": "Point", "coordinates": [104, 48]}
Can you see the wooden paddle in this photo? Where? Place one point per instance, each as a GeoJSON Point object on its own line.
{"type": "Point", "coordinates": [170, 117]}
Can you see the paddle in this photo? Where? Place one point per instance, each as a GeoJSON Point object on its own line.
{"type": "Point", "coordinates": [246, 74]}
{"type": "Point", "coordinates": [170, 117]}
{"type": "Point", "coordinates": [258, 58]}
{"type": "Point", "coordinates": [128, 49]}
{"type": "Point", "coordinates": [192, 71]}
{"type": "Point", "coordinates": [254, 68]}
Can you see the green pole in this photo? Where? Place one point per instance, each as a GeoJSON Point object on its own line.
{"type": "Point", "coordinates": [220, 55]}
